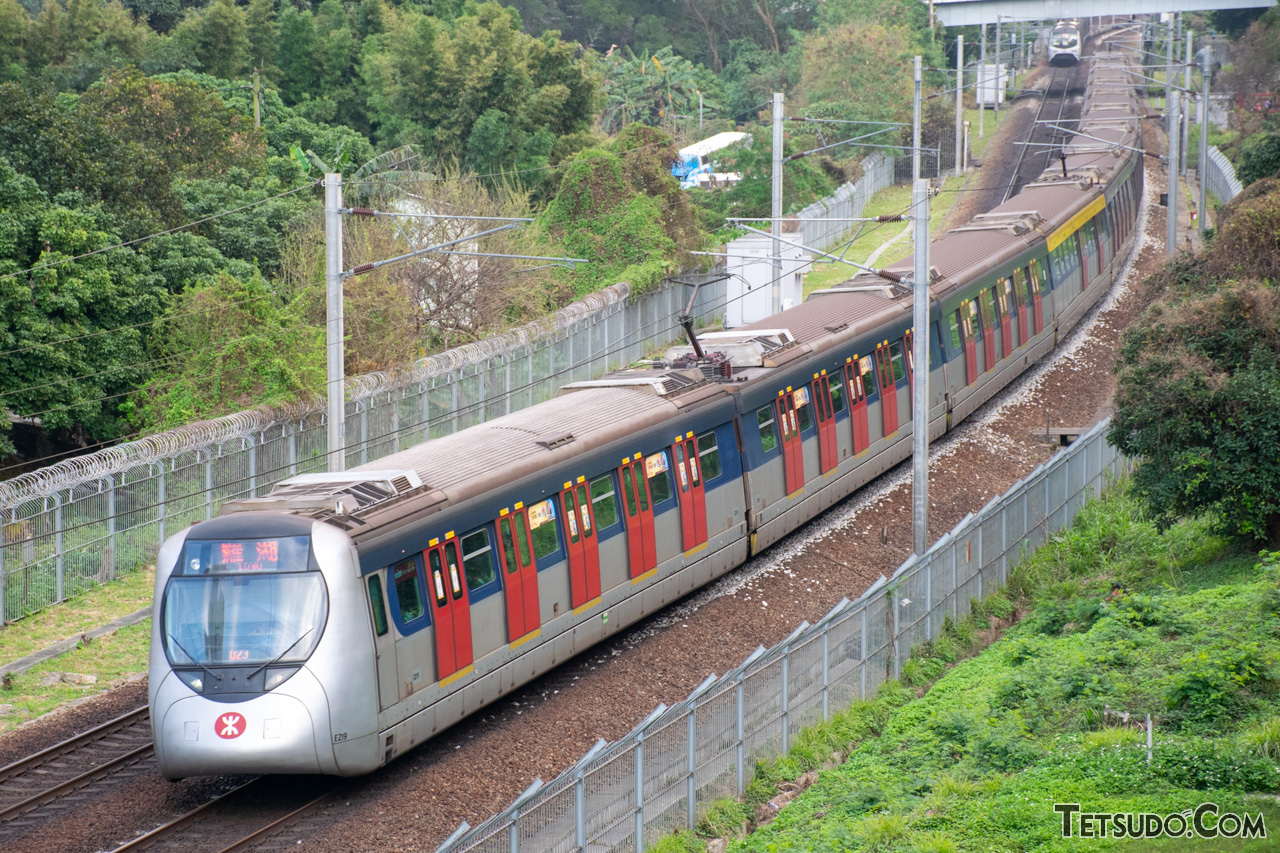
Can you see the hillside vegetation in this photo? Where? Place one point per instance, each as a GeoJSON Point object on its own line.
{"type": "Point", "coordinates": [1116, 615]}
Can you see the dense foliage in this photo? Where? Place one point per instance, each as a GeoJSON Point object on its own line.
{"type": "Point", "coordinates": [1117, 615]}
{"type": "Point", "coordinates": [1198, 398]}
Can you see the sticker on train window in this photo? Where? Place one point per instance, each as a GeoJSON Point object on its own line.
{"type": "Point", "coordinates": [655, 464]}
{"type": "Point", "coordinates": [541, 513]}
{"type": "Point", "coordinates": [801, 396]}
{"type": "Point", "coordinates": [864, 365]}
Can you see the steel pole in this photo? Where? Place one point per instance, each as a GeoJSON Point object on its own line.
{"type": "Point", "coordinates": [982, 80]}
{"type": "Point", "coordinates": [1206, 59]}
{"type": "Point", "coordinates": [1175, 118]}
{"type": "Point", "coordinates": [776, 288]}
{"type": "Point", "coordinates": [1168, 66]}
{"type": "Point", "coordinates": [334, 321]}
{"type": "Point", "coordinates": [999, 76]}
{"type": "Point", "coordinates": [959, 97]}
{"type": "Point", "coordinates": [1186, 119]}
{"type": "Point", "coordinates": [920, 365]}
{"type": "Point", "coordinates": [915, 123]}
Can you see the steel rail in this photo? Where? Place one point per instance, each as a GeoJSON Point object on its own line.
{"type": "Point", "coordinates": [1062, 102]}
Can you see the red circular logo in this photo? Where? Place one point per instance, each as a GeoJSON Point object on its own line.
{"type": "Point", "coordinates": [230, 726]}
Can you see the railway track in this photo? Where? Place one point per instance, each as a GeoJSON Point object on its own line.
{"type": "Point", "coordinates": [52, 776]}
{"type": "Point", "coordinates": [244, 818]}
{"type": "Point", "coordinates": [1035, 155]}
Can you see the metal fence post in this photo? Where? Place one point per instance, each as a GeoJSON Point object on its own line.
{"type": "Point", "coordinates": [978, 528]}
{"type": "Point", "coordinates": [826, 674]}
{"type": "Point", "coordinates": [640, 791]}
{"type": "Point", "coordinates": [111, 527]}
{"type": "Point", "coordinates": [364, 431]}
{"type": "Point", "coordinates": [456, 381]}
{"type": "Point", "coordinates": [395, 419]}
{"type": "Point", "coordinates": [161, 508]}
{"type": "Point", "coordinates": [208, 485]}
{"type": "Point", "coordinates": [579, 810]}
{"type": "Point", "coordinates": [893, 647]}
{"type": "Point", "coordinates": [928, 594]}
{"type": "Point", "coordinates": [863, 653]}
{"type": "Point", "coordinates": [1004, 544]}
{"type": "Point", "coordinates": [691, 787]}
{"type": "Point", "coordinates": [786, 699]}
{"type": "Point", "coordinates": [293, 449]}
{"type": "Point", "coordinates": [4, 610]}
{"type": "Point", "coordinates": [513, 830]}
{"type": "Point", "coordinates": [740, 690]}
{"type": "Point", "coordinates": [252, 450]}
{"type": "Point", "coordinates": [59, 568]}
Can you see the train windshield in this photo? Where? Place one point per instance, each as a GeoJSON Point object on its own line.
{"type": "Point", "coordinates": [244, 602]}
{"type": "Point", "coordinates": [1065, 40]}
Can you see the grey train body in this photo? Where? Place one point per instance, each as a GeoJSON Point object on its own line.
{"type": "Point", "coordinates": [455, 571]}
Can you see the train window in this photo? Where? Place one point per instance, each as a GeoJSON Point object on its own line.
{"type": "Point", "coordinates": [658, 469]}
{"type": "Point", "coordinates": [708, 456]}
{"type": "Point", "coordinates": [1002, 296]}
{"type": "Point", "coordinates": [768, 432]}
{"type": "Point", "coordinates": [895, 358]}
{"type": "Point", "coordinates": [1038, 276]}
{"type": "Point", "coordinates": [869, 385]}
{"type": "Point", "coordinates": [682, 467]}
{"type": "Point", "coordinates": [604, 502]}
{"type": "Point", "coordinates": [437, 577]}
{"type": "Point", "coordinates": [408, 588]}
{"type": "Point", "coordinates": [522, 542]}
{"type": "Point", "coordinates": [801, 397]}
{"type": "Point", "coordinates": [986, 305]}
{"type": "Point", "coordinates": [837, 392]}
{"type": "Point", "coordinates": [629, 490]}
{"type": "Point", "coordinates": [508, 548]}
{"type": "Point", "coordinates": [546, 540]}
{"type": "Point", "coordinates": [953, 326]}
{"type": "Point", "coordinates": [379, 606]}
{"type": "Point", "coordinates": [477, 558]}
{"type": "Point", "coordinates": [451, 559]}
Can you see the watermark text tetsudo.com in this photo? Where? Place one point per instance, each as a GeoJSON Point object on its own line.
{"type": "Point", "coordinates": [1204, 821]}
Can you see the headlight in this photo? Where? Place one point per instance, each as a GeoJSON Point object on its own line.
{"type": "Point", "coordinates": [278, 675]}
{"type": "Point", "coordinates": [192, 678]}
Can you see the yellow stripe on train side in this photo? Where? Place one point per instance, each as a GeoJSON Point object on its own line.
{"type": "Point", "coordinates": [1073, 224]}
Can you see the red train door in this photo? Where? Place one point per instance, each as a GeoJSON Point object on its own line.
{"type": "Point", "coordinates": [1033, 285]}
{"type": "Point", "coordinates": [452, 607]}
{"type": "Point", "coordinates": [590, 544]}
{"type": "Point", "coordinates": [520, 576]}
{"type": "Point", "coordinates": [857, 405]}
{"type": "Point", "coordinates": [792, 448]}
{"type": "Point", "coordinates": [580, 542]}
{"type": "Point", "coordinates": [641, 551]}
{"type": "Point", "coordinates": [988, 328]}
{"type": "Point", "coordinates": [693, 503]}
{"type": "Point", "coordinates": [828, 450]}
{"type": "Point", "coordinates": [1020, 299]}
{"type": "Point", "coordinates": [1006, 323]}
{"type": "Point", "coordinates": [888, 389]}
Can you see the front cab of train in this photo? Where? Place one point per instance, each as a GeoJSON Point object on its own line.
{"type": "Point", "coordinates": [256, 665]}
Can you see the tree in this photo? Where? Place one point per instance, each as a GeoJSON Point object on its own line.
{"type": "Point", "coordinates": [651, 89]}
{"type": "Point", "coordinates": [1198, 394]}
{"type": "Point", "coordinates": [260, 23]}
{"type": "Point", "coordinates": [14, 25]}
{"type": "Point", "coordinates": [296, 53]}
{"type": "Point", "coordinates": [74, 332]}
{"type": "Point", "coordinates": [218, 36]}
{"type": "Point", "coordinates": [1260, 158]}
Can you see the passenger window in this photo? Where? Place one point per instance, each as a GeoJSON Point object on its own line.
{"type": "Point", "coordinates": [868, 376]}
{"type": "Point", "coordinates": [508, 547]}
{"type": "Point", "coordinates": [408, 588]}
{"type": "Point", "coordinates": [837, 393]}
{"type": "Point", "coordinates": [682, 467]}
{"type": "Point", "coordinates": [455, 579]}
{"type": "Point", "coordinates": [570, 517]}
{"type": "Point", "coordinates": [584, 510]}
{"type": "Point", "coordinates": [604, 502]}
{"type": "Point", "coordinates": [629, 490]}
{"type": "Point", "coordinates": [379, 607]}
{"type": "Point", "coordinates": [477, 558]}
{"type": "Point", "coordinates": [522, 542]}
{"type": "Point", "coordinates": [895, 357]}
{"type": "Point", "coordinates": [768, 434]}
{"type": "Point", "coordinates": [657, 469]}
{"type": "Point", "coordinates": [437, 577]}
{"type": "Point", "coordinates": [801, 399]}
{"type": "Point", "coordinates": [985, 304]}
{"type": "Point", "coordinates": [953, 325]}
{"type": "Point", "coordinates": [546, 541]}
{"type": "Point", "coordinates": [708, 456]}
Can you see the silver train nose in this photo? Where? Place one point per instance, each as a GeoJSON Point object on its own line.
{"type": "Point", "coordinates": [268, 734]}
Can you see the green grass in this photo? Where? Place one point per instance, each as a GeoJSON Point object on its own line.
{"type": "Point", "coordinates": [92, 609]}
{"type": "Point", "coordinates": [1191, 634]}
{"type": "Point", "coordinates": [112, 658]}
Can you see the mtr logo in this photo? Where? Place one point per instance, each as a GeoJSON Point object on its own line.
{"type": "Point", "coordinates": [230, 726]}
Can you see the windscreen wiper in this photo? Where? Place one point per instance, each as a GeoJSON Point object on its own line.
{"type": "Point", "coordinates": [193, 657]}
{"type": "Point", "coordinates": [276, 659]}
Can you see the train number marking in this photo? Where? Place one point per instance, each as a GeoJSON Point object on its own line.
{"type": "Point", "coordinates": [339, 737]}
{"type": "Point", "coordinates": [230, 726]}
{"type": "Point", "coordinates": [238, 654]}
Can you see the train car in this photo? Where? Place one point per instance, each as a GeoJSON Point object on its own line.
{"type": "Point", "coordinates": [344, 618]}
{"type": "Point", "coordinates": [1065, 43]}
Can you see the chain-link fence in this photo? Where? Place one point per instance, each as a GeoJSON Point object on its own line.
{"type": "Point", "coordinates": [71, 526]}
{"type": "Point", "coordinates": [820, 224]}
{"type": "Point", "coordinates": [1220, 176]}
{"type": "Point", "coordinates": [664, 775]}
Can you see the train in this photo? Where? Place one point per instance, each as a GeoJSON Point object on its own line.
{"type": "Point", "coordinates": [1065, 43]}
{"type": "Point", "coordinates": [344, 618]}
